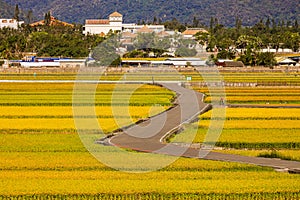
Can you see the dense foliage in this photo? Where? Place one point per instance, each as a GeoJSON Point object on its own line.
{"type": "Point", "coordinates": [266, 34]}
{"type": "Point", "coordinates": [46, 41]}
{"type": "Point", "coordinates": [151, 45]}
{"type": "Point", "coordinates": [241, 41]}
{"type": "Point", "coordinates": [138, 10]}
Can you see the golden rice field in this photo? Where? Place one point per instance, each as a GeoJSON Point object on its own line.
{"type": "Point", "coordinates": [257, 129]}
{"type": "Point", "coordinates": [42, 156]}
{"type": "Point", "coordinates": [235, 77]}
{"type": "Point", "coordinates": [256, 95]}
{"type": "Point", "coordinates": [288, 154]}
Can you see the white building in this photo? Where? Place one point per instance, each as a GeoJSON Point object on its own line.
{"type": "Point", "coordinates": [115, 23]}
{"type": "Point", "coordinates": [10, 23]}
{"type": "Point", "coordinates": [103, 26]}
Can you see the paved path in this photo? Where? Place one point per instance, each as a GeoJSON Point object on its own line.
{"type": "Point", "coordinates": [148, 135]}
{"type": "Point", "coordinates": [149, 138]}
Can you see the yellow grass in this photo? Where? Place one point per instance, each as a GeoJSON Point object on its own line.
{"type": "Point", "coordinates": [259, 112]}
{"type": "Point", "coordinates": [294, 154]}
{"type": "Point", "coordinates": [58, 111]}
{"type": "Point", "coordinates": [93, 182]}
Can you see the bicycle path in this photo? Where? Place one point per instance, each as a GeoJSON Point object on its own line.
{"type": "Point", "coordinates": [148, 135]}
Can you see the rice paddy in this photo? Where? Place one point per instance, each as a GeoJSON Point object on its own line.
{"type": "Point", "coordinates": [42, 156]}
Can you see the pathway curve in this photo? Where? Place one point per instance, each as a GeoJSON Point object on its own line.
{"type": "Point", "coordinates": [144, 140]}
{"type": "Point", "coordinates": [148, 135]}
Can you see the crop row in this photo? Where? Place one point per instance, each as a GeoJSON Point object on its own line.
{"type": "Point", "coordinates": [261, 99]}
{"type": "Point", "coordinates": [155, 196]}
{"type": "Point", "coordinates": [105, 124]}
{"type": "Point", "coordinates": [196, 76]}
{"type": "Point", "coordinates": [254, 95]}
{"type": "Point", "coordinates": [260, 113]}
{"type": "Point", "coordinates": [279, 153]}
{"type": "Point", "coordinates": [252, 128]}
{"type": "Point", "coordinates": [44, 158]}
{"type": "Point", "coordinates": [114, 182]}
{"type": "Point", "coordinates": [68, 110]}
{"type": "Point", "coordinates": [79, 159]}
{"type": "Point", "coordinates": [84, 104]}
{"type": "Point", "coordinates": [68, 87]}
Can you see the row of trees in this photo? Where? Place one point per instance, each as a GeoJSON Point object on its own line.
{"type": "Point", "coordinates": [145, 45]}
{"type": "Point", "coordinates": [67, 41]}
{"type": "Point", "coordinates": [58, 41]}
{"type": "Point", "coordinates": [250, 40]}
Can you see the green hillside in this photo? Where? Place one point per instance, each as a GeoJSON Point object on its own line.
{"type": "Point", "coordinates": [184, 10]}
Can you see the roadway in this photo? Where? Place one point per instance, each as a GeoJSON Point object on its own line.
{"type": "Point", "coordinates": [148, 136]}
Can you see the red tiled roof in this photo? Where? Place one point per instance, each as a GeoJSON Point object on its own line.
{"type": "Point", "coordinates": [97, 21]}
{"type": "Point", "coordinates": [163, 34]}
{"type": "Point", "coordinates": [193, 32]}
{"type": "Point", "coordinates": [53, 22]}
{"type": "Point", "coordinates": [128, 35]}
{"type": "Point", "coordinates": [145, 29]}
{"type": "Point", "coordinates": [127, 41]}
{"type": "Point", "coordinates": [115, 14]}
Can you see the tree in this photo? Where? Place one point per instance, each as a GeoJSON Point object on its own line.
{"type": "Point", "coordinates": [226, 54]}
{"type": "Point", "coordinates": [211, 25]}
{"type": "Point", "coordinates": [238, 26]}
{"type": "Point", "coordinates": [248, 57]}
{"type": "Point", "coordinates": [296, 25]}
{"type": "Point", "coordinates": [185, 52]}
{"type": "Point", "coordinates": [266, 59]}
{"type": "Point", "coordinates": [195, 22]}
{"type": "Point", "coordinates": [17, 13]}
{"type": "Point", "coordinates": [251, 42]}
{"type": "Point", "coordinates": [145, 41]}
{"type": "Point", "coordinates": [211, 61]}
{"type": "Point", "coordinates": [105, 53]}
{"type": "Point", "coordinates": [162, 45]}
{"type": "Point", "coordinates": [274, 25]}
{"type": "Point", "coordinates": [202, 38]}
{"type": "Point", "coordinates": [154, 20]}
{"type": "Point", "coordinates": [268, 23]}
{"type": "Point", "coordinates": [29, 16]}
{"type": "Point", "coordinates": [174, 24]}
{"type": "Point", "coordinates": [47, 18]}
{"type": "Point", "coordinates": [292, 40]}
{"type": "Point", "coordinates": [212, 42]}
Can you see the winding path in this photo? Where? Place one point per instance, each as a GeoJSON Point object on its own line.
{"type": "Point", "coordinates": [148, 136]}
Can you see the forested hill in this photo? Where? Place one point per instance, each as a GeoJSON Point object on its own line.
{"type": "Point", "coordinates": [6, 10]}
{"type": "Point", "coordinates": [250, 11]}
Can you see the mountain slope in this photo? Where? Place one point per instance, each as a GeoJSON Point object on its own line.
{"type": "Point", "coordinates": [250, 11]}
{"type": "Point", "coordinates": [6, 11]}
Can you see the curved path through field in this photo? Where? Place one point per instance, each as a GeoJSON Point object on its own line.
{"type": "Point", "coordinates": [148, 136]}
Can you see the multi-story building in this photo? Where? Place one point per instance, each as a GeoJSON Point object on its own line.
{"type": "Point", "coordinates": [115, 23]}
